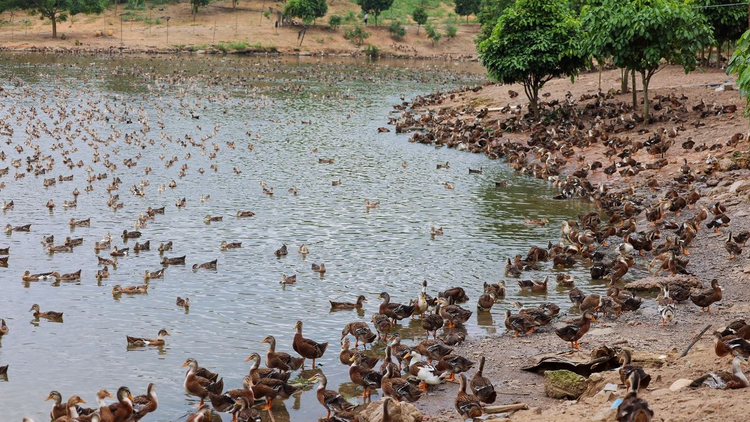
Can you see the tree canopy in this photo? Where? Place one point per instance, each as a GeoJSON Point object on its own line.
{"type": "Point", "coordinates": [488, 14]}
{"type": "Point", "coordinates": [728, 22]}
{"type": "Point", "coordinates": [376, 7]}
{"type": "Point", "coordinates": [533, 42]}
{"type": "Point", "coordinates": [195, 6]}
{"type": "Point", "coordinates": [467, 7]}
{"type": "Point", "coordinates": [419, 15]}
{"type": "Point", "coordinates": [55, 10]}
{"type": "Point", "coordinates": [642, 35]}
{"type": "Point", "coordinates": [307, 10]}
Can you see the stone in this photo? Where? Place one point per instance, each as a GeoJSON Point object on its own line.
{"type": "Point", "coordinates": [564, 384]}
{"type": "Point", "coordinates": [739, 186]}
{"type": "Point", "coordinates": [398, 412]}
{"type": "Point", "coordinates": [660, 392]}
{"type": "Point", "coordinates": [604, 415]}
{"type": "Point", "coordinates": [680, 384]}
{"type": "Point", "coordinates": [725, 164]}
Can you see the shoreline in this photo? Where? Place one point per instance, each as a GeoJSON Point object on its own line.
{"type": "Point", "coordinates": [479, 114]}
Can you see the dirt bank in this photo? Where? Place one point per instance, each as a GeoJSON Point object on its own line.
{"type": "Point", "coordinates": [698, 115]}
{"type": "Point", "coordinates": [219, 28]}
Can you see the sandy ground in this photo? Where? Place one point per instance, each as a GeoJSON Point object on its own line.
{"type": "Point", "coordinates": [219, 22]}
{"type": "Point", "coordinates": [640, 330]}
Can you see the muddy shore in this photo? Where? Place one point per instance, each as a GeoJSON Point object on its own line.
{"type": "Point", "coordinates": [487, 120]}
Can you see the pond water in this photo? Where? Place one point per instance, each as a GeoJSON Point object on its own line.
{"type": "Point", "coordinates": [148, 110]}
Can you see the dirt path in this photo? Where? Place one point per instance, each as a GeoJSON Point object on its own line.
{"type": "Point", "coordinates": [638, 330]}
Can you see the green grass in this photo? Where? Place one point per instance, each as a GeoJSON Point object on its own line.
{"type": "Point", "coordinates": [401, 10]}
{"type": "Point", "coordinates": [226, 46]}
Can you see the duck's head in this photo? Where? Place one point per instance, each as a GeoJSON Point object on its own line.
{"type": "Point", "coordinates": [253, 357]}
{"type": "Point", "coordinates": [163, 333]}
{"type": "Point", "coordinates": [192, 363]}
{"type": "Point", "coordinates": [103, 394]}
{"type": "Point", "coordinates": [35, 308]}
{"type": "Point", "coordinates": [269, 340]}
{"type": "Point", "coordinates": [54, 395]}
{"type": "Point", "coordinates": [116, 289]}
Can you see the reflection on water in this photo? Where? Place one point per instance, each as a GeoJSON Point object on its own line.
{"type": "Point", "coordinates": [276, 112]}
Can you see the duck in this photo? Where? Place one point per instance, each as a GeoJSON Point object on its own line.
{"type": "Point", "coordinates": [706, 298]}
{"type": "Point", "coordinates": [364, 377]}
{"type": "Point", "coordinates": [202, 415]}
{"type": "Point", "coordinates": [454, 364]}
{"type": "Point", "coordinates": [119, 252]}
{"type": "Point", "coordinates": [106, 261]}
{"type": "Point", "coordinates": [178, 260]}
{"type": "Point", "coordinates": [71, 414]}
{"type": "Point", "coordinates": [361, 332]}
{"type": "Point", "coordinates": [573, 332]}
{"type": "Point", "coordinates": [148, 275]}
{"type": "Point", "coordinates": [467, 405]}
{"type": "Point", "coordinates": [105, 414]}
{"type": "Point", "coordinates": [66, 277]}
{"type": "Point", "coordinates": [373, 204]}
{"type": "Point", "coordinates": [319, 268]}
{"type": "Point", "coordinates": [163, 247]}
{"type": "Point", "coordinates": [257, 373]}
{"type": "Point", "coordinates": [282, 251]}
{"type": "Point", "coordinates": [518, 323]}
{"type": "Point", "coordinates": [10, 229]}
{"type": "Point", "coordinates": [633, 408]}
{"type": "Point", "coordinates": [130, 235]}
{"type": "Point", "coordinates": [145, 403]}
{"type": "Point", "coordinates": [130, 290]}
{"type": "Point", "coordinates": [565, 280]}
{"type": "Point", "coordinates": [280, 360]}
{"type": "Point", "coordinates": [425, 372]}
{"type": "Point", "coordinates": [211, 265]}
{"type": "Point", "coordinates": [382, 324]}
{"type": "Point", "coordinates": [59, 409]}
{"type": "Point", "coordinates": [123, 409]}
{"type": "Point", "coordinates": [452, 314]}
{"type": "Point", "coordinates": [196, 385]}
{"type": "Point", "coordinates": [722, 380]}
{"type": "Point", "coordinates": [183, 303]}
{"type": "Point", "coordinates": [224, 402]}
{"type": "Point", "coordinates": [139, 247]}
{"type": "Point", "coordinates": [225, 246]}
{"type": "Point", "coordinates": [733, 248]}
{"type": "Point", "coordinates": [337, 306]}
{"type": "Point", "coordinates": [731, 344]}
{"type": "Point", "coordinates": [242, 411]}
{"type": "Point", "coordinates": [139, 341]}
{"type": "Point", "coordinates": [27, 276]}
{"type": "Point", "coordinates": [457, 294]}
{"type": "Point", "coordinates": [60, 248]}
{"type": "Point", "coordinates": [307, 348]}
{"type": "Point", "coordinates": [329, 399]}
{"type": "Point", "coordinates": [209, 219]}
{"type": "Point", "coordinates": [436, 231]}
{"type": "Point", "coordinates": [625, 358]}
{"type": "Point", "coordinates": [288, 279]}
{"type": "Point", "coordinates": [270, 388]}
{"type": "Point", "coordinates": [481, 386]}
{"type": "Point", "coordinates": [433, 349]}
{"type": "Point", "coordinates": [399, 350]}
{"type": "Point", "coordinates": [303, 249]}
{"type": "Point", "coordinates": [3, 328]}
{"type": "Point", "coordinates": [422, 303]}
{"type": "Point", "coordinates": [485, 301]}
{"type": "Point", "coordinates": [245, 214]}
{"type": "Point", "coordinates": [51, 315]}
{"type": "Point", "coordinates": [395, 311]}
{"type": "Point", "coordinates": [398, 388]}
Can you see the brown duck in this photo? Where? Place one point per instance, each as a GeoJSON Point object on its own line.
{"type": "Point", "coordinates": [706, 298]}
{"type": "Point", "coordinates": [576, 330]}
{"type": "Point", "coordinates": [280, 360]}
{"type": "Point", "coordinates": [307, 348]}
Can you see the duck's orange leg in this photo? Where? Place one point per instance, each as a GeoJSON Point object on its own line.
{"type": "Point", "coordinates": [268, 404]}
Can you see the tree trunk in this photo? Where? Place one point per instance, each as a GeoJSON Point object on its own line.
{"type": "Point", "coordinates": [53, 18]}
{"type": "Point", "coordinates": [635, 97]}
{"type": "Point", "coordinates": [645, 81]}
{"type": "Point", "coordinates": [624, 81]}
{"type": "Point", "coordinates": [600, 77]}
{"type": "Point", "coordinates": [418, 26]}
{"type": "Point", "coordinates": [710, 53]}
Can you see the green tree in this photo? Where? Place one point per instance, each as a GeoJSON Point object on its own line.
{"type": "Point", "coordinates": [55, 10]}
{"type": "Point", "coordinates": [307, 10]}
{"type": "Point", "coordinates": [533, 42]}
{"type": "Point", "coordinates": [420, 17]}
{"type": "Point", "coordinates": [728, 22]}
{"type": "Point", "coordinates": [739, 65]}
{"type": "Point", "coordinates": [643, 35]}
{"type": "Point", "coordinates": [489, 12]}
{"type": "Point", "coordinates": [467, 7]}
{"type": "Point", "coordinates": [195, 5]}
{"type": "Point", "coordinates": [376, 7]}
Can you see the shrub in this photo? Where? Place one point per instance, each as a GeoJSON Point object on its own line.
{"type": "Point", "coordinates": [357, 35]}
{"type": "Point", "coordinates": [432, 33]}
{"type": "Point", "coordinates": [334, 22]}
{"type": "Point", "coordinates": [397, 31]}
{"type": "Point", "coordinates": [450, 30]}
{"type": "Point", "coordinates": [372, 50]}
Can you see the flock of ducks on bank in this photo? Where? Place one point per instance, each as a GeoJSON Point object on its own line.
{"type": "Point", "coordinates": [652, 228]}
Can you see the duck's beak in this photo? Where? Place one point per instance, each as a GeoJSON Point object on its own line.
{"type": "Point", "coordinates": [84, 401]}
{"type": "Point", "coordinates": [351, 359]}
{"type": "Point", "coordinates": [48, 398]}
{"type": "Point", "coordinates": [110, 396]}
{"type": "Point", "coordinates": [264, 341]}
{"type": "Point", "coordinates": [380, 296]}
{"type": "Point", "coordinates": [130, 396]}
{"type": "Point", "coordinates": [593, 319]}
{"type": "Point", "coordinates": [184, 364]}
{"type": "Point", "coordinates": [407, 356]}
{"type": "Point", "coordinates": [249, 358]}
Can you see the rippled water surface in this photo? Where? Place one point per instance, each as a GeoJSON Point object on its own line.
{"type": "Point", "coordinates": [285, 109]}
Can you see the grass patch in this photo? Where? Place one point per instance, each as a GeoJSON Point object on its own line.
{"type": "Point", "coordinates": [401, 9]}
{"type": "Point", "coordinates": [227, 46]}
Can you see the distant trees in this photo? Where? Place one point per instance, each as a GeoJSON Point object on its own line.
{"type": "Point", "coordinates": [420, 17]}
{"type": "Point", "coordinates": [642, 35]}
{"type": "Point", "coordinates": [728, 22]}
{"type": "Point", "coordinates": [307, 10]}
{"type": "Point", "coordinates": [739, 65]}
{"type": "Point", "coordinates": [533, 42]}
{"type": "Point", "coordinates": [195, 5]}
{"type": "Point", "coordinates": [489, 12]}
{"type": "Point", "coordinates": [55, 10]}
{"type": "Point", "coordinates": [467, 7]}
{"type": "Point", "coordinates": [376, 7]}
